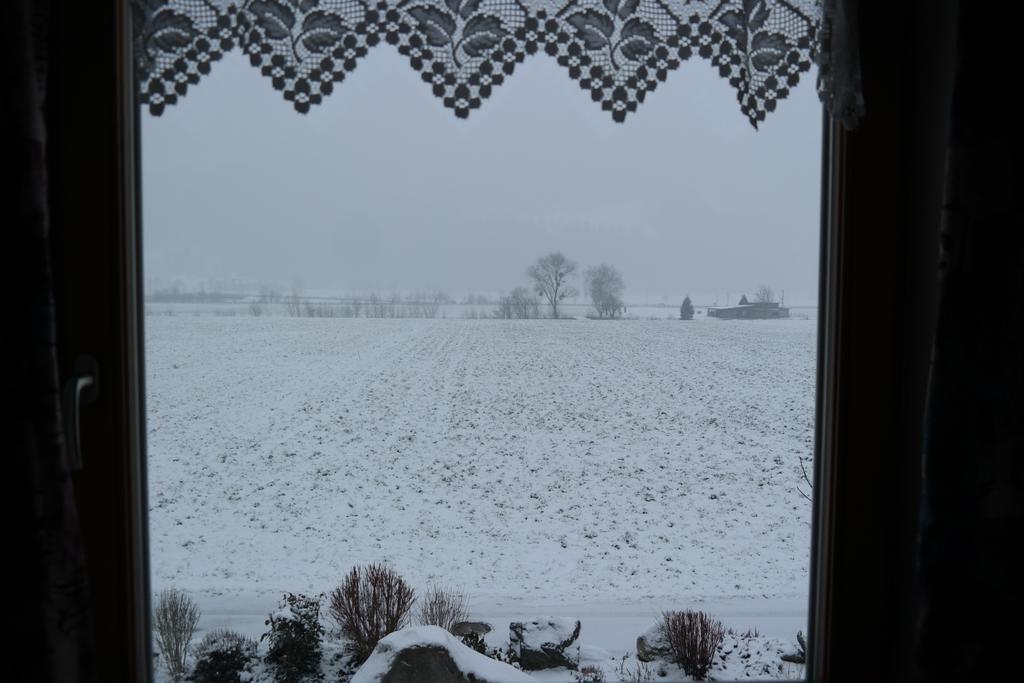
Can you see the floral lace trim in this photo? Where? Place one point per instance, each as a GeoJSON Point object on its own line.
{"type": "Point", "coordinates": [616, 50]}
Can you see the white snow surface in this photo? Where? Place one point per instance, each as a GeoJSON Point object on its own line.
{"type": "Point", "coordinates": [467, 660]}
{"type": "Point", "coordinates": [567, 461]}
{"type": "Point", "coordinates": [601, 470]}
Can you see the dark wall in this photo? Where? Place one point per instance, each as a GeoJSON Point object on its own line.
{"type": "Point", "coordinates": [890, 190]}
{"type": "Point", "coordinates": [89, 200]}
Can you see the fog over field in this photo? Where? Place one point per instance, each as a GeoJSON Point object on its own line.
{"type": "Point", "coordinates": [381, 188]}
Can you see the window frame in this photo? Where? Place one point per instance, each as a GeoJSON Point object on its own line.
{"type": "Point", "coordinates": [876, 239]}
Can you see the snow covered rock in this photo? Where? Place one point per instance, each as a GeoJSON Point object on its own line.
{"type": "Point", "coordinates": [429, 654]}
{"type": "Point", "coordinates": [546, 643]}
{"type": "Point", "coordinates": [652, 644]}
{"type": "Point", "coordinates": [464, 628]}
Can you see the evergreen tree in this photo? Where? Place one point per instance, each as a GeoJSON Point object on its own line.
{"type": "Point", "coordinates": [686, 309]}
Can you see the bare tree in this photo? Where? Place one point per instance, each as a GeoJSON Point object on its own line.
{"type": "Point", "coordinates": [519, 304]}
{"type": "Point", "coordinates": [524, 304]}
{"type": "Point", "coordinates": [375, 307]}
{"type": "Point", "coordinates": [504, 309]}
{"type": "Point", "coordinates": [550, 276]}
{"type": "Point", "coordinates": [293, 305]}
{"type": "Point", "coordinates": [604, 286]}
{"type": "Point", "coordinates": [431, 305]}
{"type": "Point", "coordinates": [764, 294]}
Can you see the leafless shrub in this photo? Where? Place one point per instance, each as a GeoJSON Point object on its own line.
{"type": "Point", "coordinates": [640, 673]}
{"type": "Point", "coordinates": [442, 606]}
{"type": "Point", "coordinates": [747, 635]}
{"type": "Point", "coordinates": [693, 638]}
{"type": "Point", "coordinates": [175, 619]}
{"type": "Point", "coordinates": [590, 674]}
{"type": "Point", "coordinates": [370, 603]}
{"type": "Point", "coordinates": [256, 308]}
{"type": "Point", "coordinates": [807, 481]}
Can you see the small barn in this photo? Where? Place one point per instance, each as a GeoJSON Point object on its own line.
{"type": "Point", "coordinates": [759, 310]}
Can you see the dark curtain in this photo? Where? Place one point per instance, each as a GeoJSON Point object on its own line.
{"type": "Point", "coordinates": [974, 431]}
{"type": "Point", "coordinates": [47, 615]}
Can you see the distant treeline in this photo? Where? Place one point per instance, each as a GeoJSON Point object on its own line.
{"type": "Point", "coordinates": [267, 295]}
{"type": "Point", "coordinates": [175, 295]}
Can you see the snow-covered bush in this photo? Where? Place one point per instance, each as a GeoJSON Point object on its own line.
{"type": "Point", "coordinates": [474, 641]}
{"type": "Point", "coordinates": [294, 636]}
{"type": "Point", "coordinates": [175, 619]}
{"type": "Point", "coordinates": [693, 639]}
{"type": "Point", "coordinates": [429, 653]}
{"type": "Point", "coordinates": [221, 656]}
{"type": "Point", "coordinates": [370, 603]}
{"type": "Point", "coordinates": [442, 606]}
{"type": "Point", "coordinates": [546, 642]}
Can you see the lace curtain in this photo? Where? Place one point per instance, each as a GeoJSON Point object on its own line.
{"type": "Point", "coordinates": [618, 51]}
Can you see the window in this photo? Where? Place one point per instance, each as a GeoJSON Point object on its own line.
{"type": "Point", "coordinates": [850, 271]}
{"type": "Point", "coordinates": [328, 385]}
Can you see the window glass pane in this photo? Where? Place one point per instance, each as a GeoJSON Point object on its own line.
{"type": "Point", "coordinates": [347, 361]}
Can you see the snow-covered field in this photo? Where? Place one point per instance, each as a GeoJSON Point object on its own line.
{"type": "Point", "coordinates": [610, 468]}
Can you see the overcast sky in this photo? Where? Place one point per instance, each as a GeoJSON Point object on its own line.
{"type": "Point", "coordinates": [382, 188]}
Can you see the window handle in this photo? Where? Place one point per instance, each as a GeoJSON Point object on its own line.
{"type": "Point", "coordinates": [81, 388]}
